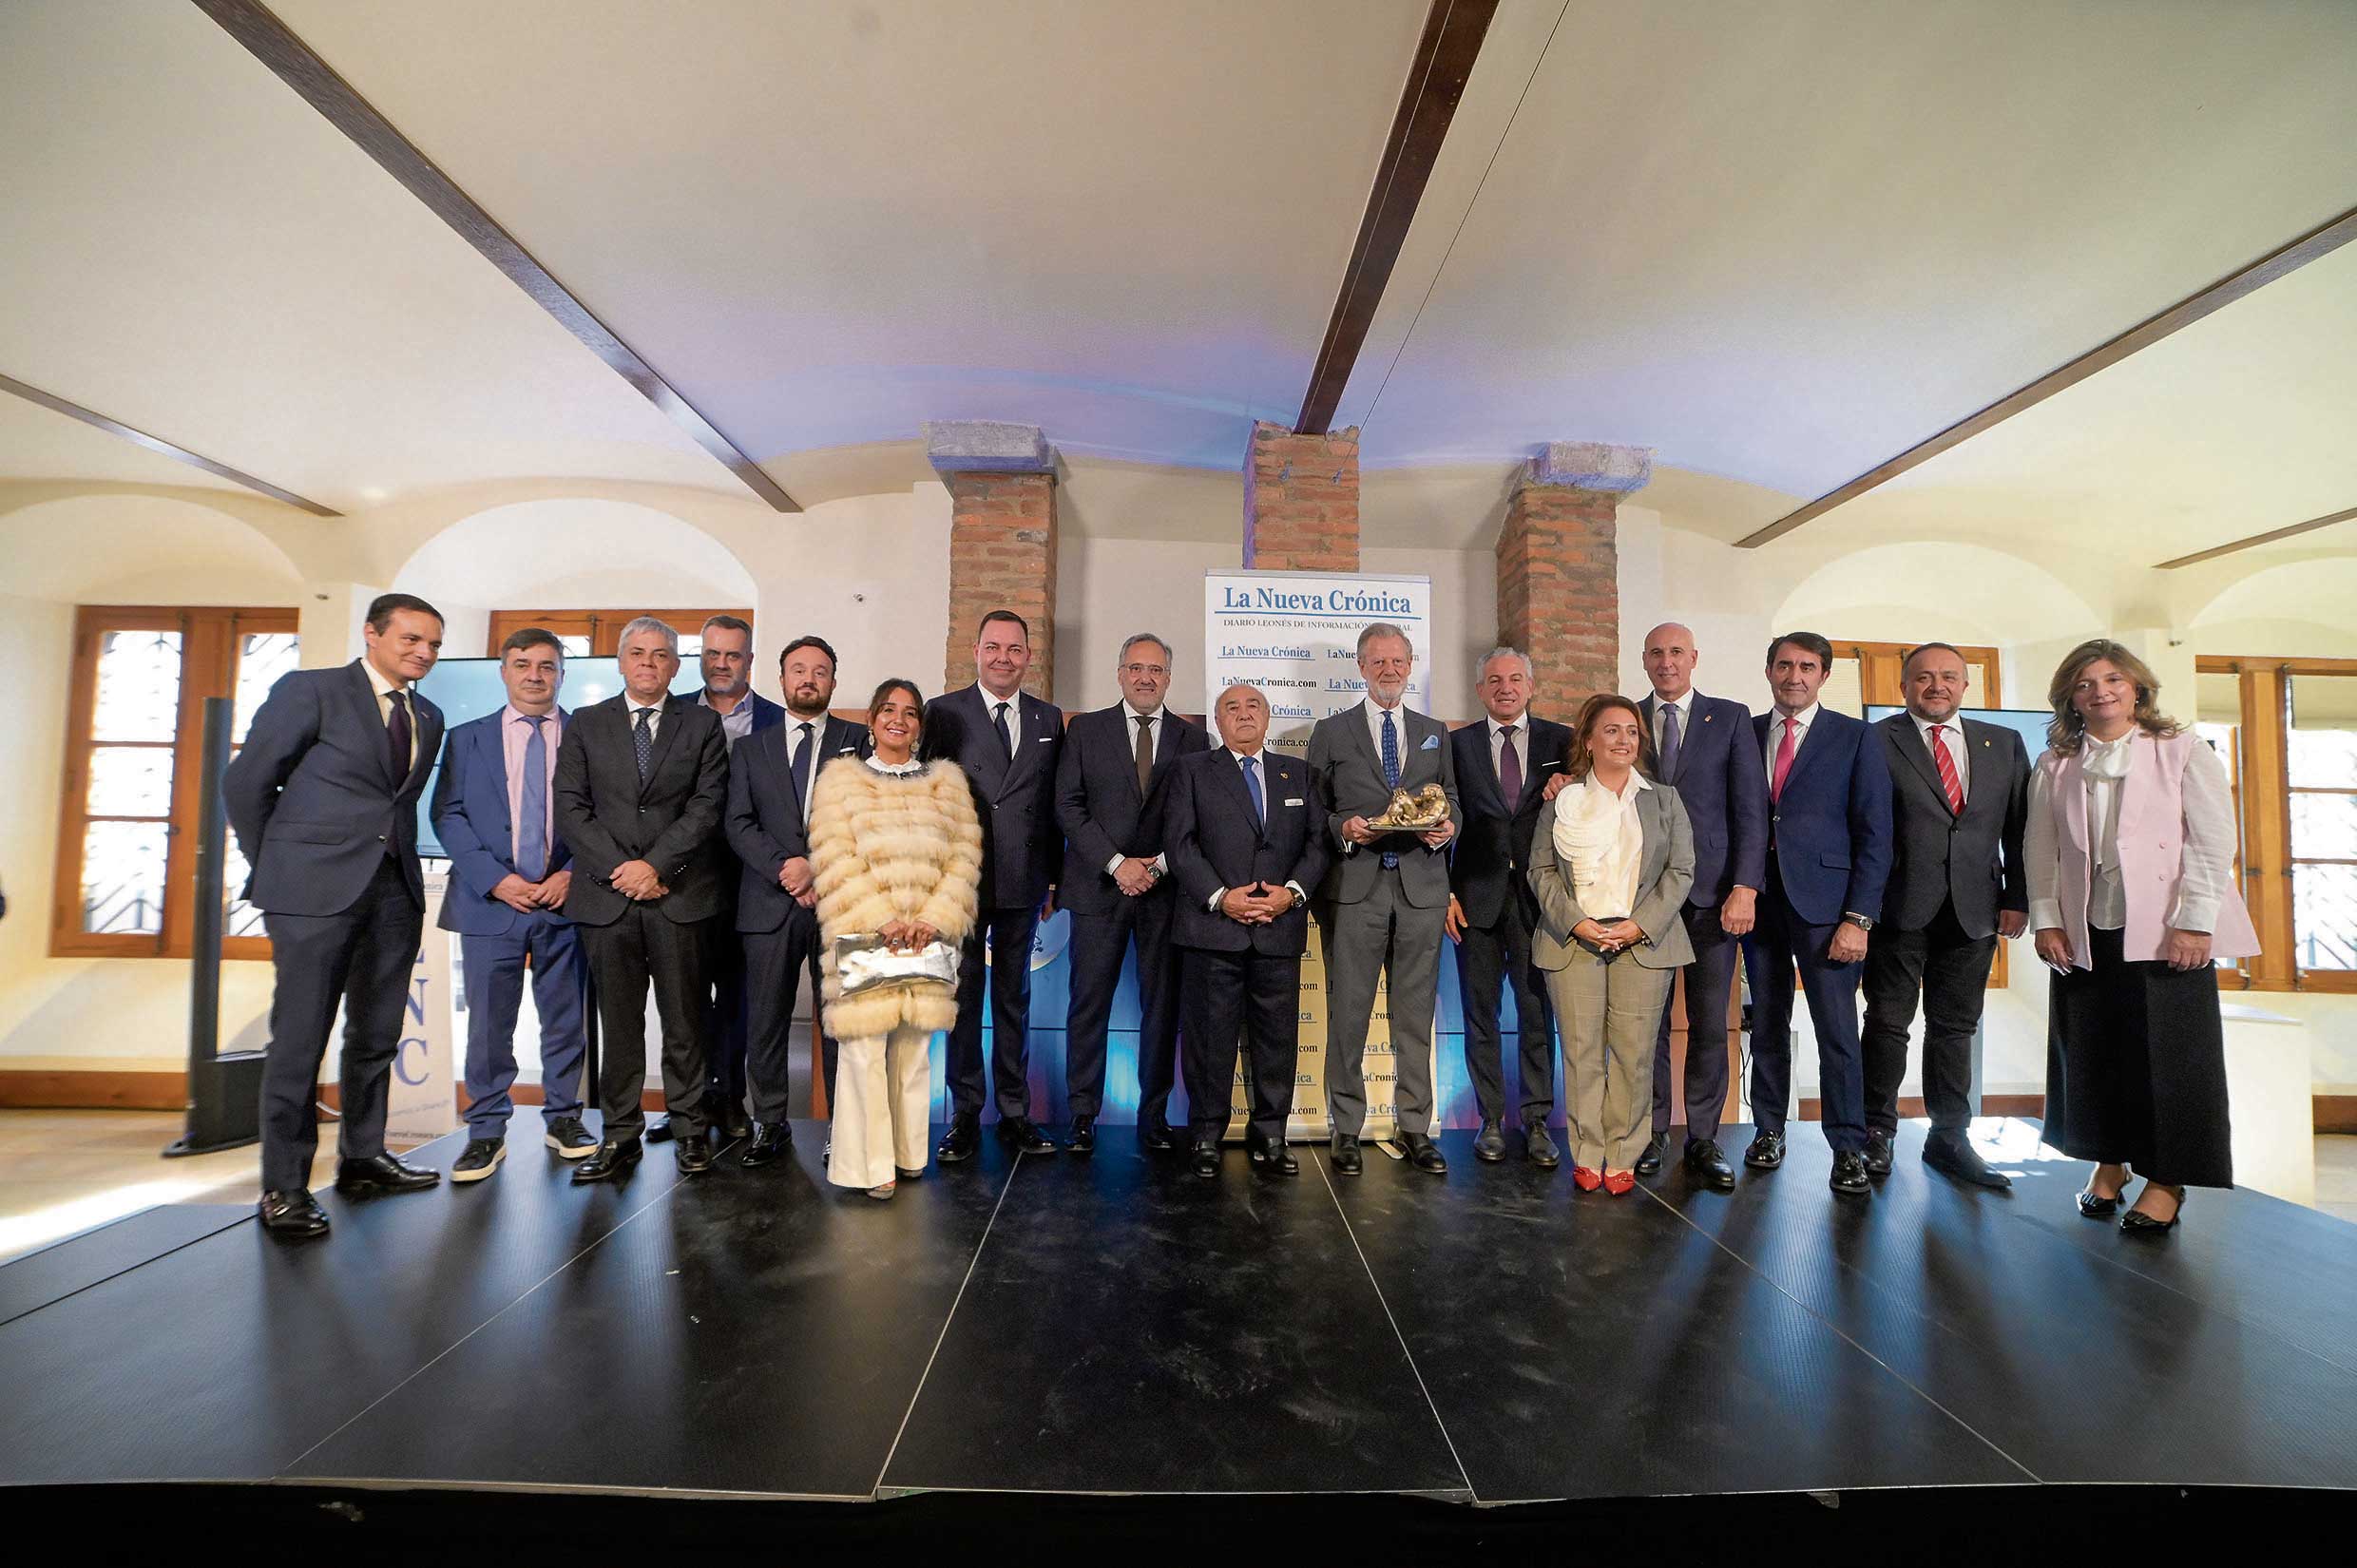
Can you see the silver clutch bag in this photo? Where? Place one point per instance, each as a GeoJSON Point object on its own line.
{"type": "Point", "coordinates": [865, 962]}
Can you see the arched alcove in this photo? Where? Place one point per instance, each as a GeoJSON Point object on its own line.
{"type": "Point", "coordinates": [1908, 592]}
{"type": "Point", "coordinates": [131, 550]}
{"type": "Point", "coordinates": [553, 553]}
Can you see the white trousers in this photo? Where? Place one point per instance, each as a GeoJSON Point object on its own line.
{"type": "Point", "coordinates": [883, 1093]}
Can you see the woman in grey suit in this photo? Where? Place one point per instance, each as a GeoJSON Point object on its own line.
{"type": "Point", "coordinates": [1612, 862]}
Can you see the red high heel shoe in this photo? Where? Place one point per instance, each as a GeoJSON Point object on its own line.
{"type": "Point", "coordinates": [1586, 1178]}
{"type": "Point", "coordinates": [1620, 1183]}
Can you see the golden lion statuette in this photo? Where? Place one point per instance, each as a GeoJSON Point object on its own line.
{"type": "Point", "coordinates": [1413, 811]}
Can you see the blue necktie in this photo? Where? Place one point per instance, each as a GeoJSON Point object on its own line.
{"type": "Point", "coordinates": [1252, 786]}
{"type": "Point", "coordinates": [801, 772]}
{"type": "Point", "coordinates": [642, 741]}
{"type": "Point", "coordinates": [532, 825]}
{"type": "Point", "coordinates": [1390, 772]}
{"type": "Point", "coordinates": [1670, 741]}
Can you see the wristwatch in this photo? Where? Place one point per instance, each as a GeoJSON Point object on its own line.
{"type": "Point", "coordinates": [1860, 921]}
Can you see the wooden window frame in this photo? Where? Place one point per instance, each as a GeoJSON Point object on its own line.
{"type": "Point", "coordinates": [2263, 819]}
{"type": "Point", "coordinates": [601, 627]}
{"type": "Point", "coordinates": [209, 652]}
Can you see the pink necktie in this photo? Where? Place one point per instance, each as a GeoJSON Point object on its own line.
{"type": "Point", "coordinates": [1783, 762]}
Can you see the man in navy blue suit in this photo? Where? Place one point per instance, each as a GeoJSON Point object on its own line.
{"type": "Point", "coordinates": [726, 659]}
{"type": "Point", "coordinates": [770, 779]}
{"type": "Point", "coordinates": [1710, 754]}
{"type": "Point", "coordinates": [509, 872]}
{"type": "Point", "coordinates": [323, 798]}
{"type": "Point", "coordinates": [1247, 843]}
{"type": "Point", "coordinates": [1829, 855]}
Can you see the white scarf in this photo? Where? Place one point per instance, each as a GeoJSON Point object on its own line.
{"type": "Point", "coordinates": [1598, 841]}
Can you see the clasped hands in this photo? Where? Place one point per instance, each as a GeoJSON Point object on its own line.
{"type": "Point", "coordinates": [524, 897]}
{"type": "Point", "coordinates": [906, 936]}
{"type": "Point", "coordinates": [636, 880]}
{"type": "Point", "coordinates": [1611, 937]}
{"type": "Point", "coordinates": [1135, 874]}
{"type": "Point", "coordinates": [1251, 909]}
{"type": "Point", "coordinates": [796, 878]}
{"type": "Point", "coordinates": [1357, 832]}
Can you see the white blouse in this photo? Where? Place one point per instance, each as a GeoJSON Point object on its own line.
{"type": "Point", "coordinates": [1599, 843]}
{"type": "Point", "coordinates": [2208, 863]}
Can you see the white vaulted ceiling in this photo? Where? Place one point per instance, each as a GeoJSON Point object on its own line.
{"type": "Point", "coordinates": [1777, 242]}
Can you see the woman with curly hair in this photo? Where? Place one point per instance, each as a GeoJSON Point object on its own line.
{"type": "Point", "coordinates": [2130, 851]}
{"type": "Point", "coordinates": [896, 853]}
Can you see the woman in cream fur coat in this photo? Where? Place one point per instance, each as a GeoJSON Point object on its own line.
{"type": "Point", "coordinates": [897, 852]}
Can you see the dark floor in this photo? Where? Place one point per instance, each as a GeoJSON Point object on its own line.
{"type": "Point", "coordinates": [1118, 1326]}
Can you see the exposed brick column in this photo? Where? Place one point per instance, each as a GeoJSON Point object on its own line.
{"type": "Point", "coordinates": [1301, 500]}
{"type": "Point", "coordinates": [1559, 590]}
{"type": "Point", "coordinates": [1002, 487]}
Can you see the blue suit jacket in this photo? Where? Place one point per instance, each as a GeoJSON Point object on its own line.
{"type": "Point", "coordinates": [1832, 828]}
{"type": "Point", "coordinates": [1723, 785]}
{"type": "Point", "coordinates": [315, 798]}
{"type": "Point", "coordinates": [470, 813]}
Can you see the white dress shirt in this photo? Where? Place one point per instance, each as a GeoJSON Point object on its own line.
{"type": "Point", "coordinates": [1259, 761]}
{"type": "Point", "coordinates": [1521, 751]}
{"type": "Point", "coordinates": [1951, 740]}
{"type": "Point", "coordinates": [1799, 723]}
{"type": "Point", "coordinates": [1154, 748]}
{"type": "Point", "coordinates": [384, 689]}
{"type": "Point", "coordinates": [1399, 734]}
{"type": "Point", "coordinates": [2206, 865]}
{"type": "Point", "coordinates": [1685, 706]}
{"type": "Point", "coordinates": [632, 707]}
{"type": "Point", "coordinates": [1011, 723]}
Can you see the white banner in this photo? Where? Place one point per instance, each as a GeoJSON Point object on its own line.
{"type": "Point", "coordinates": [1295, 635]}
{"type": "Point", "coordinates": [422, 1100]}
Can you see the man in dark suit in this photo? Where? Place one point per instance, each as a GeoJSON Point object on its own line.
{"type": "Point", "coordinates": [1384, 903]}
{"type": "Point", "coordinates": [494, 811]}
{"type": "Point", "coordinates": [1111, 786]}
{"type": "Point", "coordinates": [1246, 842]}
{"type": "Point", "coordinates": [768, 825]}
{"type": "Point", "coordinates": [323, 798]}
{"type": "Point", "coordinates": [1503, 765]}
{"type": "Point", "coordinates": [1709, 753]}
{"type": "Point", "coordinates": [1008, 742]}
{"type": "Point", "coordinates": [642, 780]}
{"type": "Point", "coordinates": [726, 661]}
{"type": "Point", "coordinates": [1829, 855]}
{"type": "Point", "coordinates": [1959, 796]}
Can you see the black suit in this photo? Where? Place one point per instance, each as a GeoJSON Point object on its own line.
{"type": "Point", "coordinates": [606, 816]}
{"type": "Point", "coordinates": [1485, 875]}
{"type": "Point", "coordinates": [728, 1008]}
{"type": "Point", "coordinates": [1950, 875]}
{"type": "Point", "coordinates": [767, 825]}
{"type": "Point", "coordinates": [1241, 979]}
{"type": "Point", "coordinates": [1015, 789]}
{"type": "Point", "coordinates": [327, 817]}
{"type": "Point", "coordinates": [1104, 816]}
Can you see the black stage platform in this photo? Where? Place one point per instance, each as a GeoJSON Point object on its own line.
{"type": "Point", "coordinates": [1117, 1326]}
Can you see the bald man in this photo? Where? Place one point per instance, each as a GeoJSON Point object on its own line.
{"type": "Point", "coordinates": [1245, 843]}
{"type": "Point", "coordinates": [1708, 754]}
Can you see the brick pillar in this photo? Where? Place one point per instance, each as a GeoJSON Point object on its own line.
{"type": "Point", "coordinates": [1558, 590]}
{"type": "Point", "coordinates": [1301, 500]}
{"type": "Point", "coordinates": [1002, 487]}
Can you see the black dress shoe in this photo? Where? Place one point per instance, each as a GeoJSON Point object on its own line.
{"type": "Point", "coordinates": [1423, 1154]}
{"type": "Point", "coordinates": [1952, 1157]}
{"type": "Point", "coordinates": [1159, 1137]}
{"type": "Point", "coordinates": [569, 1139]}
{"type": "Point", "coordinates": [1657, 1146]}
{"type": "Point", "coordinates": [770, 1140]}
{"type": "Point", "coordinates": [1849, 1176]}
{"type": "Point", "coordinates": [1022, 1133]}
{"type": "Point", "coordinates": [294, 1215]}
{"type": "Point", "coordinates": [1084, 1135]}
{"type": "Point", "coordinates": [1708, 1165]}
{"type": "Point", "coordinates": [1346, 1155]}
{"type": "Point", "coordinates": [1878, 1154]}
{"type": "Point", "coordinates": [382, 1174]}
{"type": "Point", "coordinates": [1539, 1145]}
{"type": "Point", "coordinates": [693, 1155]}
{"type": "Point", "coordinates": [1275, 1159]}
{"type": "Point", "coordinates": [611, 1162]}
{"type": "Point", "coordinates": [479, 1158]}
{"type": "Point", "coordinates": [1766, 1153]}
{"type": "Point", "coordinates": [734, 1123]}
{"type": "Point", "coordinates": [659, 1131]}
{"type": "Point", "coordinates": [962, 1141]}
{"type": "Point", "coordinates": [1206, 1158]}
{"type": "Point", "coordinates": [1489, 1144]}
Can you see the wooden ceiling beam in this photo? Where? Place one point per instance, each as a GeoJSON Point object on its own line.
{"type": "Point", "coordinates": [2321, 240]}
{"type": "Point", "coordinates": [295, 62]}
{"type": "Point", "coordinates": [2257, 539]}
{"type": "Point", "coordinates": [1453, 30]}
{"type": "Point", "coordinates": [163, 448]}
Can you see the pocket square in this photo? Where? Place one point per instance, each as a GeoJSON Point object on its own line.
{"type": "Point", "coordinates": [1431, 743]}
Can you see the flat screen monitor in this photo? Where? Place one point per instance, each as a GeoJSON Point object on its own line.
{"type": "Point", "coordinates": [468, 688]}
{"type": "Point", "coordinates": [2029, 723]}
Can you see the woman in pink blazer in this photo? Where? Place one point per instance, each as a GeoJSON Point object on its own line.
{"type": "Point", "coordinates": [2130, 850]}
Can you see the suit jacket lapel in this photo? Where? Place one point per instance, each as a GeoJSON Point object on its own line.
{"type": "Point", "coordinates": [1810, 749]}
{"type": "Point", "coordinates": [994, 765]}
{"type": "Point", "coordinates": [1235, 770]}
{"type": "Point", "coordinates": [1918, 750]}
{"type": "Point", "coordinates": [363, 693]}
{"type": "Point", "coordinates": [427, 733]}
{"type": "Point", "coordinates": [1487, 772]}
